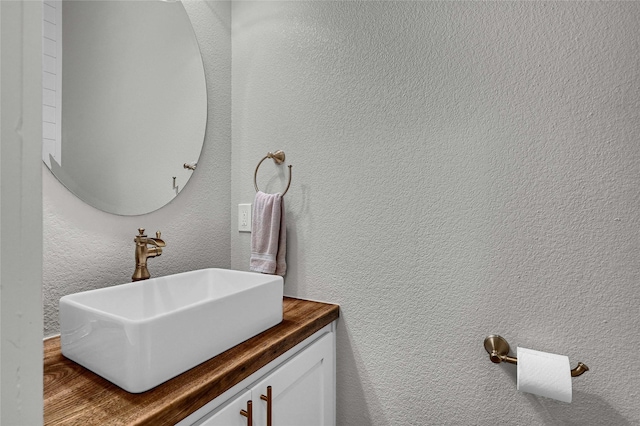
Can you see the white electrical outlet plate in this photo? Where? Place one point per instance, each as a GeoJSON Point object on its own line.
{"type": "Point", "coordinates": [244, 217]}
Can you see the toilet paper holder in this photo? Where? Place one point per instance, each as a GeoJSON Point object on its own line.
{"type": "Point", "coordinates": [498, 350]}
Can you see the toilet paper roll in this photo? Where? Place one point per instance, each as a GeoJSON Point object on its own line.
{"type": "Point", "coordinates": [544, 374]}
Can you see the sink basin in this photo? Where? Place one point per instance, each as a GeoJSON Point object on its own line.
{"type": "Point", "coordinates": [138, 335]}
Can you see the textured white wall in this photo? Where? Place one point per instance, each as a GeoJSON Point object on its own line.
{"type": "Point", "coordinates": [85, 248]}
{"type": "Point", "coordinates": [459, 169]}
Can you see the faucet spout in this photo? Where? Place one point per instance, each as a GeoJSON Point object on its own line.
{"type": "Point", "coordinates": [157, 241]}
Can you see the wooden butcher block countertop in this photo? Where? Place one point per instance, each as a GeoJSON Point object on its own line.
{"type": "Point", "coordinates": [74, 395]}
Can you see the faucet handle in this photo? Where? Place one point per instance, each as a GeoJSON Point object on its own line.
{"type": "Point", "coordinates": [157, 234]}
{"type": "Point", "coordinates": [141, 231]}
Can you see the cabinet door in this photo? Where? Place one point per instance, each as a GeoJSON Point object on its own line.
{"type": "Point", "coordinates": [302, 389]}
{"type": "Point", "coordinates": [229, 415]}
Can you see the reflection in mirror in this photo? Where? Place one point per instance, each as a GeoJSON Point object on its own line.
{"type": "Point", "coordinates": [131, 99]}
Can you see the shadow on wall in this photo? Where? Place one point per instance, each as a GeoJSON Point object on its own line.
{"type": "Point", "coordinates": [588, 406]}
{"type": "Point", "coordinates": [294, 279]}
{"type": "Point", "coordinates": [583, 409]}
{"type": "Point", "coordinates": [351, 383]}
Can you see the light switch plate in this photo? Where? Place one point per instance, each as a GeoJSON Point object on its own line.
{"type": "Point", "coordinates": [244, 217]}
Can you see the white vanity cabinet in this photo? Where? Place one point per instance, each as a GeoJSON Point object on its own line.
{"type": "Point", "coordinates": [299, 387]}
{"type": "Point", "coordinates": [229, 415]}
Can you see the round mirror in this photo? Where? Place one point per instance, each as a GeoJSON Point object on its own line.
{"type": "Point", "coordinates": [128, 107]}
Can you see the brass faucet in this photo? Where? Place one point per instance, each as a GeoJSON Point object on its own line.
{"type": "Point", "coordinates": [143, 252]}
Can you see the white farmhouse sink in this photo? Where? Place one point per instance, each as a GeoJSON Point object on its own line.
{"type": "Point", "coordinates": [141, 334]}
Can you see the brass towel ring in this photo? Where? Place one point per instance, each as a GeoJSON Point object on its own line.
{"type": "Point", "coordinates": [278, 158]}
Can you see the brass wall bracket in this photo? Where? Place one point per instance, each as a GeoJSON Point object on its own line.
{"type": "Point", "coordinates": [498, 350]}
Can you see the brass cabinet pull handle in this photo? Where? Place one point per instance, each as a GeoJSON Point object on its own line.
{"type": "Point", "coordinates": [269, 404]}
{"type": "Point", "coordinates": [248, 413]}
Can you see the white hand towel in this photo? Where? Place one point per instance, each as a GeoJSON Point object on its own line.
{"type": "Point", "coordinates": [268, 235]}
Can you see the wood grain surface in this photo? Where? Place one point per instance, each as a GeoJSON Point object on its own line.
{"type": "Point", "coordinates": [74, 395]}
